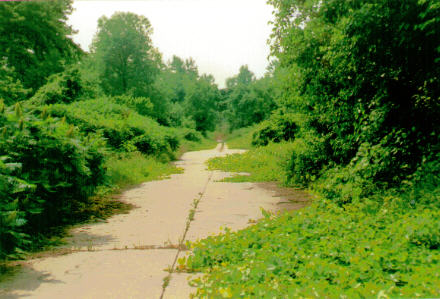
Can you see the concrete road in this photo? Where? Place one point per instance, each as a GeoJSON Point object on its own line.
{"type": "Point", "coordinates": [130, 255]}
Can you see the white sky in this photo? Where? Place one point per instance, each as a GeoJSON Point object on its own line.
{"type": "Point", "coordinates": [221, 35]}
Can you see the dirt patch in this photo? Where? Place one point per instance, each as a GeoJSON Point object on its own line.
{"type": "Point", "coordinates": [104, 207]}
{"type": "Point", "coordinates": [8, 269]}
{"type": "Point", "coordinates": [290, 198]}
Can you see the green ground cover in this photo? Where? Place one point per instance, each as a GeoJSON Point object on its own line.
{"type": "Point", "coordinates": [264, 164]}
{"type": "Point", "coordinates": [382, 245]}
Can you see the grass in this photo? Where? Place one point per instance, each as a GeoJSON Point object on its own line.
{"type": "Point", "coordinates": [264, 164]}
{"type": "Point", "coordinates": [241, 138]}
{"type": "Point", "coordinates": [207, 142]}
{"type": "Point", "coordinates": [135, 168]}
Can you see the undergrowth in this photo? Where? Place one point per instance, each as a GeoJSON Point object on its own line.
{"type": "Point", "coordinates": [355, 241]}
{"type": "Point", "coordinates": [240, 138]}
{"type": "Point", "coordinates": [134, 168]}
{"type": "Point", "coordinates": [264, 164]}
{"type": "Point", "coordinates": [324, 251]}
{"type": "Point", "coordinates": [205, 143]}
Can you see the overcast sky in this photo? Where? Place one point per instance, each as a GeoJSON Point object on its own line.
{"type": "Point", "coordinates": [221, 35]}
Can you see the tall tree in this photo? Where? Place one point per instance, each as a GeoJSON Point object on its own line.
{"type": "Point", "coordinates": [244, 77]}
{"type": "Point", "coordinates": [201, 102]}
{"type": "Point", "coordinates": [248, 101]}
{"type": "Point", "coordinates": [127, 60]}
{"type": "Point", "coordinates": [35, 40]}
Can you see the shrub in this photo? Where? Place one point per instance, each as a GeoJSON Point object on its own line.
{"type": "Point", "coordinates": [121, 126]}
{"type": "Point", "coordinates": [11, 89]}
{"type": "Point", "coordinates": [278, 128]}
{"type": "Point", "coordinates": [64, 87]}
{"type": "Point", "coordinates": [191, 135]}
{"type": "Point", "coordinates": [49, 170]}
{"type": "Point", "coordinates": [141, 105]}
{"type": "Point", "coordinates": [308, 158]}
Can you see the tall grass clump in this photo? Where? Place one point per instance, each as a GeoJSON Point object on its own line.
{"type": "Point", "coordinates": [134, 168]}
{"type": "Point", "coordinates": [263, 164]}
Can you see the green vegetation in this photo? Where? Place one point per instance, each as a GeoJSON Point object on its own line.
{"type": "Point", "coordinates": [348, 109]}
{"type": "Point", "coordinates": [123, 128]}
{"type": "Point", "coordinates": [264, 164]}
{"type": "Point", "coordinates": [324, 250]}
{"type": "Point", "coordinates": [204, 143]}
{"type": "Point", "coordinates": [47, 172]}
{"type": "Point", "coordinates": [76, 127]}
{"type": "Point", "coordinates": [247, 101]}
{"type": "Point", "coordinates": [384, 244]}
{"type": "Point", "coordinates": [240, 138]}
{"type": "Point", "coordinates": [134, 168]}
{"type": "Point", "coordinates": [27, 57]}
{"type": "Point", "coordinates": [126, 60]}
{"type": "Point", "coordinates": [355, 122]}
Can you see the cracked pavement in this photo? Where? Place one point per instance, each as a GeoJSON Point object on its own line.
{"type": "Point", "coordinates": [129, 255]}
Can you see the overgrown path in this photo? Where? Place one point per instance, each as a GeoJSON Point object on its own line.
{"type": "Point", "coordinates": [134, 255]}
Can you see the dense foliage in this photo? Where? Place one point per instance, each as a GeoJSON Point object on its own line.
{"type": "Point", "coordinates": [126, 59]}
{"type": "Point", "coordinates": [324, 251]}
{"type": "Point", "coordinates": [34, 40]}
{"type": "Point", "coordinates": [64, 87]}
{"type": "Point", "coordinates": [366, 79]}
{"type": "Point", "coordinates": [123, 128]}
{"type": "Point", "coordinates": [385, 244]}
{"type": "Point", "coordinates": [348, 108]}
{"type": "Point", "coordinates": [75, 126]}
{"type": "Point", "coordinates": [277, 129]}
{"type": "Point", "coordinates": [48, 170]}
{"type": "Point", "coordinates": [188, 98]}
{"type": "Point", "coordinates": [247, 101]}
{"type": "Point", "coordinates": [358, 99]}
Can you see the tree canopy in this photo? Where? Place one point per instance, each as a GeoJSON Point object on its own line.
{"type": "Point", "coordinates": [35, 40]}
{"type": "Point", "coordinates": [365, 74]}
{"type": "Point", "coordinates": [126, 59]}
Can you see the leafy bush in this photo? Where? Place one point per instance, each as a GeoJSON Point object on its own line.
{"type": "Point", "coordinates": [364, 74]}
{"type": "Point", "coordinates": [141, 105]}
{"type": "Point", "coordinates": [308, 157]}
{"type": "Point", "coordinates": [49, 170]}
{"type": "Point", "coordinates": [278, 128]}
{"type": "Point", "coordinates": [11, 89]}
{"type": "Point", "coordinates": [64, 87]}
{"type": "Point", "coordinates": [122, 127]}
{"type": "Point", "coordinates": [11, 218]}
{"type": "Point", "coordinates": [192, 135]}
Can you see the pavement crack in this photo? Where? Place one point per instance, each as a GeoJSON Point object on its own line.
{"type": "Point", "coordinates": [180, 247]}
{"type": "Point", "coordinates": [190, 218]}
